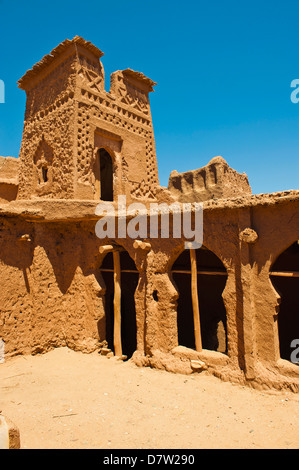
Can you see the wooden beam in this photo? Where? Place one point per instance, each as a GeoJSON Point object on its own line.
{"type": "Point", "coordinates": [206, 273]}
{"type": "Point", "coordinates": [108, 270]}
{"type": "Point", "coordinates": [195, 304]}
{"type": "Point", "coordinates": [117, 305]}
{"type": "Point", "coordinates": [285, 273]}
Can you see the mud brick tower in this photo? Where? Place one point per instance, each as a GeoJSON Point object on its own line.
{"type": "Point", "coordinates": [76, 133]}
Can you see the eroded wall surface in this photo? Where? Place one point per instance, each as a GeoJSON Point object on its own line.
{"type": "Point", "coordinates": [216, 180]}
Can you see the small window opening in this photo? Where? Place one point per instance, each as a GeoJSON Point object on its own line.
{"type": "Point", "coordinates": [155, 295]}
{"type": "Point", "coordinates": [104, 175]}
{"type": "Point", "coordinates": [45, 174]}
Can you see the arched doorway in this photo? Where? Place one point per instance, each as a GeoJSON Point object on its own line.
{"type": "Point", "coordinates": [211, 280]}
{"type": "Point", "coordinates": [129, 281]}
{"type": "Point", "coordinates": [285, 279]}
{"type": "Point", "coordinates": [104, 175]}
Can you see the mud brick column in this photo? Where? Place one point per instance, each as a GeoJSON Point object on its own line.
{"type": "Point", "coordinates": [247, 236]}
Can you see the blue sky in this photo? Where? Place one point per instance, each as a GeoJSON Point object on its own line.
{"type": "Point", "coordinates": [223, 69]}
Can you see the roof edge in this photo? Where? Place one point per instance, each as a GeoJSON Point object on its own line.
{"type": "Point", "coordinates": [56, 52]}
{"type": "Point", "coordinates": [140, 76]}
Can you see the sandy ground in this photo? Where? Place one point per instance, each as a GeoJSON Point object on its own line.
{"type": "Point", "coordinates": [69, 400]}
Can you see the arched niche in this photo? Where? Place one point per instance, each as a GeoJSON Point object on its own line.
{"type": "Point", "coordinates": [129, 282]}
{"type": "Point", "coordinates": [284, 275]}
{"type": "Point", "coordinates": [43, 162]}
{"type": "Point", "coordinates": [211, 281]}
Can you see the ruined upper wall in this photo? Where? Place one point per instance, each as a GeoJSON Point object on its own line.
{"type": "Point", "coordinates": [213, 181]}
{"type": "Point", "coordinates": [69, 117]}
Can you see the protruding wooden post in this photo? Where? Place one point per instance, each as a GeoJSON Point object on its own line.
{"type": "Point", "coordinates": [195, 304]}
{"type": "Point", "coordinates": [106, 249]}
{"type": "Point", "coordinates": [142, 245]}
{"type": "Point", "coordinates": [117, 305]}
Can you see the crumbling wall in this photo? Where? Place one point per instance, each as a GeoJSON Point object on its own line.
{"type": "Point", "coordinates": [216, 180]}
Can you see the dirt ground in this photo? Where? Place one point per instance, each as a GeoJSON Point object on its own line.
{"type": "Point", "coordinates": [69, 400]}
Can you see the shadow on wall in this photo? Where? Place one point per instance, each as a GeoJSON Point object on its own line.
{"type": "Point", "coordinates": [16, 247]}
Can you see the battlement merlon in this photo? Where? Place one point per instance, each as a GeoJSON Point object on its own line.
{"type": "Point", "coordinates": [130, 77]}
{"type": "Point", "coordinates": [60, 53]}
{"type": "Point", "coordinates": [74, 66]}
{"type": "Point", "coordinates": [77, 46]}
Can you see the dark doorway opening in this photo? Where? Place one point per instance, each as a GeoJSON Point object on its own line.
{"type": "Point", "coordinates": [211, 279]}
{"type": "Point", "coordinates": [104, 175]}
{"type": "Point", "coordinates": [45, 174]}
{"type": "Point", "coordinates": [129, 281]}
{"type": "Point", "coordinates": [285, 279]}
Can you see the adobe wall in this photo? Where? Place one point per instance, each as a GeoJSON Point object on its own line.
{"type": "Point", "coordinates": [247, 235]}
{"type": "Point", "coordinates": [216, 180]}
{"type": "Point", "coordinates": [53, 291]}
{"type": "Point", "coordinates": [48, 298]}
{"type": "Point", "coordinates": [9, 168]}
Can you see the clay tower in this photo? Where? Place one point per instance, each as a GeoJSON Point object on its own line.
{"type": "Point", "coordinates": [79, 141]}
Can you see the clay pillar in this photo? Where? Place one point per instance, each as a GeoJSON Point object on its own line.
{"type": "Point", "coordinates": [117, 305]}
{"type": "Point", "coordinates": [247, 282]}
